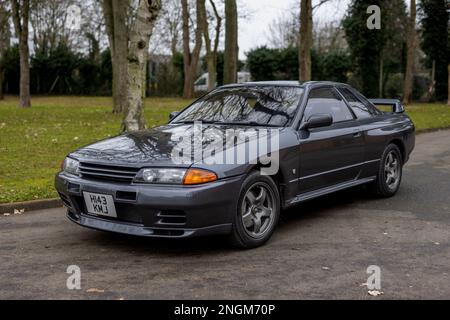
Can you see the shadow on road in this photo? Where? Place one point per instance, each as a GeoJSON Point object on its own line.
{"type": "Point", "coordinates": [217, 245]}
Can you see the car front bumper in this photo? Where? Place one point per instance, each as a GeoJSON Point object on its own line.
{"type": "Point", "coordinates": [153, 210]}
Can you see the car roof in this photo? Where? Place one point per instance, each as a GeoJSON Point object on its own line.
{"type": "Point", "coordinates": [284, 84]}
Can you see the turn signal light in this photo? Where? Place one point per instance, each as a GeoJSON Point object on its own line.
{"type": "Point", "coordinates": [198, 176]}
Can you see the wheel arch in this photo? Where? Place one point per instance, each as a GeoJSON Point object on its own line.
{"type": "Point", "coordinates": [278, 178]}
{"type": "Point", "coordinates": [401, 146]}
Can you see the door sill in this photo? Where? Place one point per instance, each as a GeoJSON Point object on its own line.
{"type": "Point", "coordinates": [324, 191]}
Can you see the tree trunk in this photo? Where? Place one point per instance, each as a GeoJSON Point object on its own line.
{"type": "Point", "coordinates": [432, 87]}
{"type": "Point", "coordinates": [231, 43]}
{"type": "Point", "coordinates": [212, 72]}
{"type": "Point", "coordinates": [191, 59]}
{"type": "Point", "coordinates": [115, 12]}
{"type": "Point", "coordinates": [409, 75]}
{"type": "Point", "coordinates": [306, 37]}
{"type": "Point", "coordinates": [2, 77]}
{"type": "Point", "coordinates": [4, 43]}
{"type": "Point", "coordinates": [24, 72]}
{"type": "Point", "coordinates": [20, 19]}
{"type": "Point", "coordinates": [141, 32]}
{"type": "Point", "coordinates": [120, 55]}
{"type": "Point", "coordinates": [187, 92]}
{"type": "Point", "coordinates": [211, 53]}
{"type": "Point", "coordinates": [380, 82]}
{"type": "Point", "coordinates": [448, 102]}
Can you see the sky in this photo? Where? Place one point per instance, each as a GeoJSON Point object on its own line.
{"type": "Point", "coordinates": [254, 27]}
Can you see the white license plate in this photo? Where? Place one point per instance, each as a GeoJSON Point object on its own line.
{"type": "Point", "coordinates": [100, 204]}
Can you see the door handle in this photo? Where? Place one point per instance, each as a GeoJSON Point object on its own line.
{"type": "Point", "coordinates": [357, 134]}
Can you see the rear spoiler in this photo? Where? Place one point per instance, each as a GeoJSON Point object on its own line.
{"type": "Point", "coordinates": [397, 106]}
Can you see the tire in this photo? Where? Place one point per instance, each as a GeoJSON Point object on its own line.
{"type": "Point", "coordinates": [389, 176]}
{"type": "Point", "coordinates": [257, 212]}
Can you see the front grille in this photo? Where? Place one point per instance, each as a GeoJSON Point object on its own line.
{"type": "Point", "coordinates": [108, 173]}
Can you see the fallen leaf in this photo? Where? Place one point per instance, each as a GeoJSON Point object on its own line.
{"type": "Point", "coordinates": [375, 293]}
{"type": "Point", "coordinates": [95, 290]}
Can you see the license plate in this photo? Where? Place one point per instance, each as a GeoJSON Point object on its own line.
{"type": "Point", "coordinates": [100, 204]}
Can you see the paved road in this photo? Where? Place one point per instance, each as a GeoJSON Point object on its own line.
{"type": "Point", "coordinates": [320, 250]}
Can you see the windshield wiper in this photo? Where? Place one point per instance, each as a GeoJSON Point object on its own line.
{"type": "Point", "coordinates": [194, 121]}
{"type": "Point", "coordinates": [230, 123]}
{"type": "Point", "coordinates": [249, 124]}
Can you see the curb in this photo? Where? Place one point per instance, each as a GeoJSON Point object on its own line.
{"type": "Point", "coordinates": [432, 130]}
{"type": "Point", "coordinates": [30, 205]}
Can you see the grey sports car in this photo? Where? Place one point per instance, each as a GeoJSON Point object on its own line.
{"type": "Point", "coordinates": [232, 160]}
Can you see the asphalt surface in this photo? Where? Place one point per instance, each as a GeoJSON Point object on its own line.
{"type": "Point", "coordinates": [320, 250]}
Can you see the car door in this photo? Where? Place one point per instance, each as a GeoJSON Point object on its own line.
{"type": "Point", "coordinates": [370, 121]}
{"type": "Point", "coordinates": [333, 154]}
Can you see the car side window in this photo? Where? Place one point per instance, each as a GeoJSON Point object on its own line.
{"type": "Point", "coordinates": [369, 105]}
{"type": "Point", "coordinates": [327, 101]}
{"type": "Point", "coordinates": [358, 107]}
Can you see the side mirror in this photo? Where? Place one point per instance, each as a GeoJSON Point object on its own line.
{"type": "Point", "coordinates": [318, 121]}
{"type": "Point", "coordinates": [173, 115]}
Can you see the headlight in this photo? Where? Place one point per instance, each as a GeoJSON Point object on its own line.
{"type": "Point", "coordinates": [175, 176]}
{"type": "Point", "coordinates": [71, 166]}
{"type": "Point", "coordinates": [161, 176]}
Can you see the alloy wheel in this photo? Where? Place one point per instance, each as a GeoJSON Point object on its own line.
{"type": "Point", "coordinates": [258, 210]}
{"type": "Point", "coordinates": [392, 170]}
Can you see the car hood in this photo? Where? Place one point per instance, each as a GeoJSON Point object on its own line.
{"type": "Point", "coordinates": [157, 146]}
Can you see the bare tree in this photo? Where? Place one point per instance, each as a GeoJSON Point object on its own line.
{"type": "Point", "coordinates": [306, 40]}
{"type": "Point", "coordinates": [211, 51]}
{"type": "Point", "coordinates": [4, 42]}
{"type": "Point", "coordinates": [231, 42]}
{"type": "Point", "coordinates": [116, 14]}
{"type": "Point", "coordinates": [140, 34]}
{"type": "Point", "coordinates": [283, 31]}
{"type": "Point", "coordinates": [191, 59]}
{"type": "Point", "coordinates": [167, 32]}
{"type": "Point", "coordinates": [329, 36]}
{"type": "Point", "coordinates": [411, 56]}
{"type": "Point", "coordinates": [20, 16]}
{"type": "Point", "coordinates": [448, 102]}
{"type": "Point", "coordinates": [47, 19]}
{"type": "Point", "coordinates": [92, 33]}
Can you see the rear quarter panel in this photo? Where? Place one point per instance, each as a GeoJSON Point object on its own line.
{"type": "Point", "coordinates": [379, 132]}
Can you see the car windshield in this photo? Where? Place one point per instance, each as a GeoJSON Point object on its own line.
{"type": "Point", "coordinates": [264, 106]}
